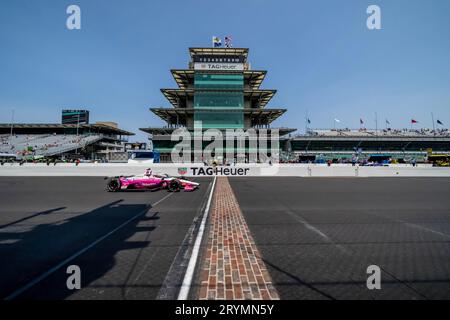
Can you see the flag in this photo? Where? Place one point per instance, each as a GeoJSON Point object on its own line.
{"type": "Point", "coordinates": [440, 122]}
{"type": "Point", "coordinates": [309, 121]}
{"type": "Point", "coordinates": [414, 121]}
{"type": "Point", "coordinates": [228, 42]}
{"type": "Point", "coordinates": [361, 121]}
{"type": "Point", "coordinates": [217, 42]}
{"type": "Point", "coordinates": [387, 121]}
{"type": "Point", "coordinates": [337, 120]}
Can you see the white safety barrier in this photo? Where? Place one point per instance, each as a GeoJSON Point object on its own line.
{"type": "Point", "coordinates": [191, 170]}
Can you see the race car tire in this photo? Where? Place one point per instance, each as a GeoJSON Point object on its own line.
{"type": "Point", "coordinates": [113, 185]}
{"type": "Point", "coordinates": [174, 186]}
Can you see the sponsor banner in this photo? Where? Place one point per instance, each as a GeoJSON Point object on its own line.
{"type": "Point", "coordinates": [219, 66]}
{"type": "Point", "coordinates": [213, 171]}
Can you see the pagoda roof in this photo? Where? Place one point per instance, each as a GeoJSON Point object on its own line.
{"type": "Point", "coordinates": [174, 115]}
{"type": "Point", "coordinates": [166, 131]}
{"type": "Point", "coordinates": [219, 51]}
{"type": "Point", "coordinates": [173, 95]}
{"type": "Point", "coordinates": [159, 130]}
{"type": "Point", "coordinates": [185, 76]}
{"type": "Point", "coordinates": [264, 95]}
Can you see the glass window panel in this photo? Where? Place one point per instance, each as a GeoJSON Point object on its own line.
{"type": "Point", "coordinates": [218, 81]}
{"type": "Point", "coordinates": [220, 120]}
{"type": "Point", "coordinates": [217, 100]}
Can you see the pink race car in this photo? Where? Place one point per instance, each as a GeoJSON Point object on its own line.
{"type": "Point", "coordinates": [149, 181]}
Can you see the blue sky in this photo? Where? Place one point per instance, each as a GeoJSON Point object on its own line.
{"type": "Point", "coordinates": [319, 55]}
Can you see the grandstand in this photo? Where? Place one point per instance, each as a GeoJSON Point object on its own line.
{"type": "Point", "coordinates": [105, 141]}
{"type": "Point", "coordinates": [343, 145]}
{"type": "Point", "coordinates": [46, 145]}
{"type": "Point", "coordinates": [386, 132]}
{"type": "Point", "coordinates": [99, 141]}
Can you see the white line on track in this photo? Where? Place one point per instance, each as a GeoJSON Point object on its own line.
{"type": "Point", "coordinates": [187, 281]}
{"type": "Point", "coordinates": [315, 230]}
{"type": "Point", "coordinates": [77, 254]}
{"type": "Point", "coordinates": [413, 225]}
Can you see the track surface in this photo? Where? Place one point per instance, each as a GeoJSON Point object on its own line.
{"type": "Point", "coordinates": [45, 220]}
{"type": "Point", "coordinates": [318, 235]}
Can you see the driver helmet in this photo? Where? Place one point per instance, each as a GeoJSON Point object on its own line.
{"type": "Point", "coordinates": [148, 172]}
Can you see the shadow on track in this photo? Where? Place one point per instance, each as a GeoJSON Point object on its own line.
{"type": "Point", "coordinates": [27, 254]}
{"type": "Point", "coordinates": [32, 216]}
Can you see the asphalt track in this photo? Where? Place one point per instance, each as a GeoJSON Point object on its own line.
{"type": "Point", "coordinates": [317, 236]}
{"type": "Point", "coordinates": [44, 221]}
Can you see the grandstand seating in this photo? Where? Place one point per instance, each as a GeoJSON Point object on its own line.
{"type": "Point", "coordinates": [382, 132]}
{"type": "Point", "coordinates": [45, 144]}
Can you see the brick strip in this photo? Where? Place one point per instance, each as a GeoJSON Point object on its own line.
{"type": "Point", "coordinates": [232, 267]}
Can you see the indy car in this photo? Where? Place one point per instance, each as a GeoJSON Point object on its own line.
{"type": "Point", "coordinates": [149, 181]}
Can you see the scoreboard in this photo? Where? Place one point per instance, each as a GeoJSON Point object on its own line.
{"type": "Point", "coordinates": [75, 117]}
{"type": "Point", "coordinates": [219, 62]}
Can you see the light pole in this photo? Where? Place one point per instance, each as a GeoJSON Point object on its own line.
{"type": "Point", "coordinates": [78, 124]}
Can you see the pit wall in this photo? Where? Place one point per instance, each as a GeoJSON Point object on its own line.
{"type": "Point", "coordinates": [192, 170]}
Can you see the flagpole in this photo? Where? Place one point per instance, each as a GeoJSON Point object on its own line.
{"type": "Point", "coordinates": [432, 119]}
{"type": "Point", "coordinates": [12, 122]}
{"type": "Point", "coordinates": [12, 125]}
{"type": "Point", "coordinates": [78, 122]}
{"type": "Point", "coordinates": [376, 124]}
{"type": "Point", "coordinates": [306, 122]}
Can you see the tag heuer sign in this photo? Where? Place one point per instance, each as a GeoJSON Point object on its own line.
{"type": "Point", "coordinates": [182, 171]}
{"type": "Point", "coordinates": [219, 66]}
